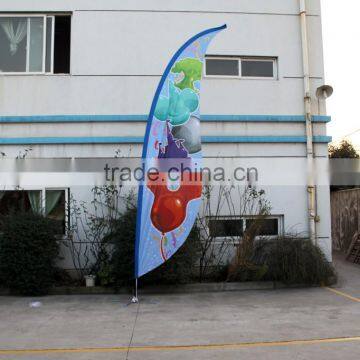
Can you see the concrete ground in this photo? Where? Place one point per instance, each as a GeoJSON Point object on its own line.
{"type": "Point", "coordinates": [312, 323]}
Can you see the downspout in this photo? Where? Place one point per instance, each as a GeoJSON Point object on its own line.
{"type": "Point", "coordinates": [309, 132]}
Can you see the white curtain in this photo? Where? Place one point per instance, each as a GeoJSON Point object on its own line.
{"type": "Point", "coordinates": [15, 36]}
{"type": "Point", "coordinates": [52, 199]}
{"type": "Point", "coordinates": [35, 201]}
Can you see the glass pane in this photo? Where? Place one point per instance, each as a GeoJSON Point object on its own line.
{"type": "Point", "coordinates": [257, 68]}
{"type": "Point", "coordinates": [223, 228]}
{"type": "Point", "coordinates": [13, 37]}
{"type": "Point", "coordinates": [36, 44]}
{"type": "Point", "coordinates": [49, 22]}
{"type": "Point", "coordinates": [268, 227]}
{"type": "Point", "coordinates": [222, 67]}
{"type": "Point", "coordinates": [62, 44]}
{"type": "Point", "coordinates": [55, 206]}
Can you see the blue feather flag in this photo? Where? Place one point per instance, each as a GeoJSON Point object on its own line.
{"type": "Point", "coordinates": [169, 196]}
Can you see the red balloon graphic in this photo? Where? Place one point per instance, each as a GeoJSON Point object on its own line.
{"type": "Point", "coordinates": [168, 212]}
{"type": "Point", "coordinates": [169, 209]}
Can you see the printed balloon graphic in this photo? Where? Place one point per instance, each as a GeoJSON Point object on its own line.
{"type": "Point", "coordinates": [169, 208]}
{"type": "Point", "coordinates": [168, 211]}
{"type": "Point", "coordinates": [191, 70]}
{"type": "Point", "coordinates": [190, 133]}
{"type": "Point", "coordinates": [178, 107]}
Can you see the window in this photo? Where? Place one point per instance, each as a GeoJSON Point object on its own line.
{"type": "Point", "coordinates": [52, 204]}
{"type": "Point", "coordinates": [257, 68]}
{"type": "Point", "coordinates": [222, 67]}
{"type": "Point", "coordinates": [269, 227]}
{"type": "Point", "coordinates": [35, 44]}
{"type": "Point", "coordinates": [235, 227]}
{"type": "Point", "coordinates": [226, 227]}
{"type": "Point", "coordinates": [242, 67]}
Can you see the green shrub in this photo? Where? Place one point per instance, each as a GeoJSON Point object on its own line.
{"type": "Point", "coordinates": [293, 260]}
{"type": "Point", "coordinates": [178, 269]}
{"type": "Point", "coordinates": [28, 250]}
{"type": "Point", "coordinates": [247, 272]}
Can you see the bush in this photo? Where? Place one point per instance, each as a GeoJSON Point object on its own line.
{"type": "Point", "coordinates": [120, 270]}
{"type": "Point", "coordinates": [293, 261]}
{"type": "Point", "coordinates": [28, 250]}
{"type": "Point", "coordinates": [178, 269]}
{"type": "Point", "coordinates": [345, 150]}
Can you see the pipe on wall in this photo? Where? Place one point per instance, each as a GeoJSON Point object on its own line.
{"type": "Point", "coordinates": [309, 131]}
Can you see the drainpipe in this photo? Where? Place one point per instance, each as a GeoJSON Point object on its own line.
{"type": "Point", "coordinates": [309, 133]}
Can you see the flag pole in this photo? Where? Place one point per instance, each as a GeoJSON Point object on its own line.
{"type": "Point", "coordinates": [135, 298]}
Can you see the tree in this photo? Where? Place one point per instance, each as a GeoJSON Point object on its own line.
{"type": "Point", "coordinates": [235, 202]}
{"type": "Point", "coordinates": [344, 150]}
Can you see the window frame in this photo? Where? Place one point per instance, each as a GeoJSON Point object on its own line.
{"type": "Point", "coordinates": [272, 59]}
{"type": "Point", "coordinates": [52, 17]}
{"type": "Point", "coordinates": [45, 17]}
{"type": "Point", "coordinates": [28, 16]}
{"type": "Point", "coordinates": [237, 239]}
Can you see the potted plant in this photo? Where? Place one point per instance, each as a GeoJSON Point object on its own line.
{"type": "Point", "coordinates": [90, 280]}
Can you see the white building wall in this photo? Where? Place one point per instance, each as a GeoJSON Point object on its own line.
{"type": "Point", "coordinates": [100, 46]}
{"type": "Point", "coordinates": [119, 50]}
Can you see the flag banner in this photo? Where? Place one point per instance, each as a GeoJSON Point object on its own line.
{"type": "Point", "coordinates": [169, 195]}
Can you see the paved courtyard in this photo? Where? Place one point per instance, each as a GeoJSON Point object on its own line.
{"type": "Point", "coordinates": [315, 323]}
